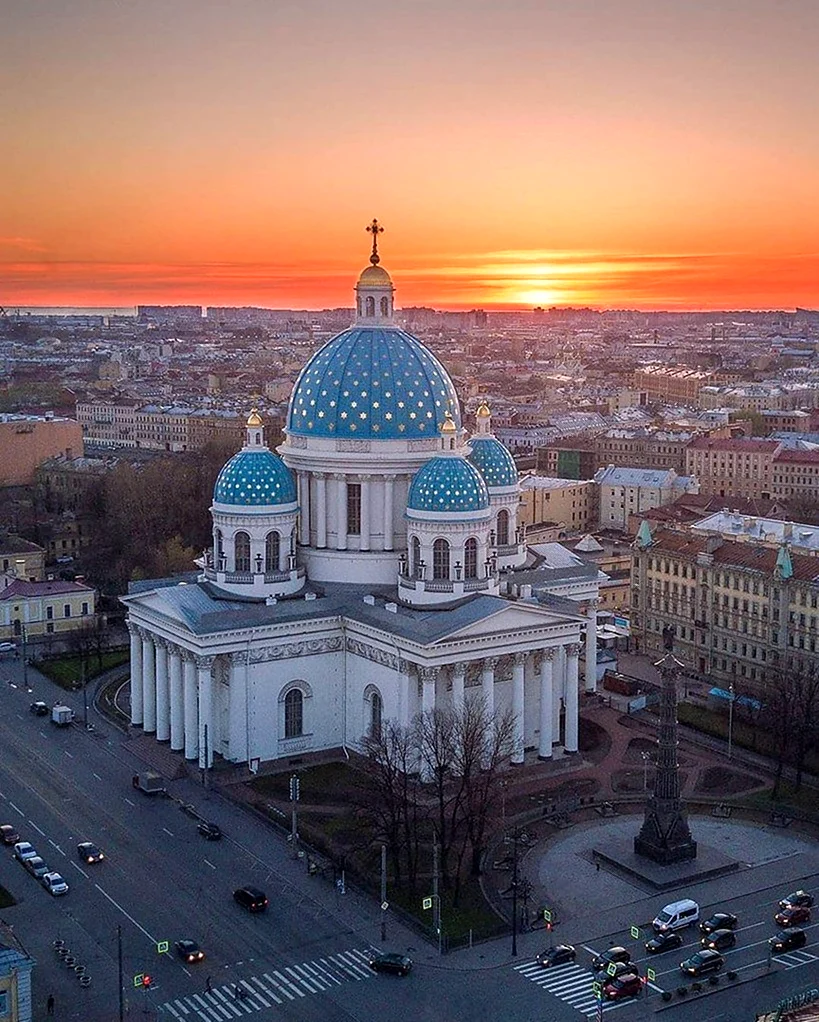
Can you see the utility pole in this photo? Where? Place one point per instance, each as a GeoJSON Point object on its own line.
{"type": "Point", "coordinates": [515, 893]}
{"type": "Point", "coordinates": [119, 961]}
{"type": "Point", "coordinates": [436, 899]}
{"type": "Point", "coordinates": [294, 824]}
{"type": "Point", "coordinates": [383, 893]}
{"type": "Point", "coordinates": [205, 761]}
{"type": "Point", "coordinates": [25, 661]}
{"type": "Point", "coordinates": [84, 694]}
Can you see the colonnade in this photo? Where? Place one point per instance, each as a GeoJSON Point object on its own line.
{"type": "Point", "coordinates": [321, 491]}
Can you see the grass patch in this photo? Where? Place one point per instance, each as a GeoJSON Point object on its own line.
{"type": "Point", "coordinates": [66, 670]}
{"type": "Point", "coordinates": [806, 799]}
{"type": "Point", "coordinates": [327, 783]}
{"type": "Point", "coordinates": [471, 912]}
{"type": "Point", "coordinates": [6, 899]}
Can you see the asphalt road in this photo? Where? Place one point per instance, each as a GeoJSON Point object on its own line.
{"type": "Point", "coordinates": [305, 958]}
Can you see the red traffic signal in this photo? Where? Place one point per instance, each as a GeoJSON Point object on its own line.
{"type": "Point", "coordinates": [146, 980]}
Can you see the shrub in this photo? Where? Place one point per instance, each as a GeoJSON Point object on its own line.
{"type": "Point", "coordinates": [696, 987]}
{"type": "Point", "coordinates": [732, 975]}
{"type": "Point", "coordinates": [667, 995]}
{"type": "Point", "coordinates": [713, 980]}
{"type": "Point", "coordinates": [682, 991]}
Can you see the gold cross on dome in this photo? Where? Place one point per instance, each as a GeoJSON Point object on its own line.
{"type": "Point", "coordinates": [375, 229]}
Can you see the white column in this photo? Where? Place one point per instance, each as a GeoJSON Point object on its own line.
{"type": "Point", "coordinates": [366, 487]}
{"type": "Point", "coordinates": [204, 684]}
{"type": "Point", "coordinates": [163, 696]}
{"type": "Point", "coordinates": [558, 689]}
{"type": "Point", "coordinates": [572, 653]}
{"type": "Point", "coordinates": [238, 709]}
{"type": "Point", "coordinates": [591, 646]}
{"type": "Point", "coordinates": [136, 674]}
{"type": "Point", "coordinates": [321, 509]}
{"type": "Point", "coordinates": [191, 709]}
{"type": "Point", "coordinates": [304, 511]}
{"type": "Point", "coordinates": [517, 707]}
{"type": "Point", "coordinates": [404, 713]}
{"type": "Point", "coordinates": [429, 675]}
{"type": "Point", "coordinates": [177, 698]}
{"type": "Point", "coordinates": [458, 683]}
{"type": "Point", "coordinates": [341, 512]}
{"type": "Point", "coordinates": [488, 685]}
{"type": "Point", "coordinates": [389, 497]}
{"type": "Point", "coordinates": [546, 704]}
{"type": "Point", "coordinates": [148, 683]}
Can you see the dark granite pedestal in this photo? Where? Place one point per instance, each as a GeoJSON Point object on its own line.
{"type": "Point", "coordinates": [618, 856]}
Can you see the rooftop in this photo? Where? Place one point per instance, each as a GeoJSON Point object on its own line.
{"type": "Point", "coordinates": [766, 530]}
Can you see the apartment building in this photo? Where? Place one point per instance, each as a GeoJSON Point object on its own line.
{"type": "Point", "coordinates": [569, 503]}
{"type": "Point", "coordinates": [672, 385]}
{"type": "Point", "coordinates": [43, 608]}
{"type": "Point", "coordinates": [733, 466]}
{"type": "Point", "coordinates": [736, 607]}
{"type": "Point", "coordinates": [796, 475]}
{"type": "Point", "coordinates": [627, 491]}
{"type": "Point", "coordinates": [160, 428]}
{"type": "Point", "coordinates": [27, 440]}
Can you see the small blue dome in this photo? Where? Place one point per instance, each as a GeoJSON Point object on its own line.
{"type": "Point", "coordinates": [494, 461]}
{"type": "Point", "coordinates": [255, 478]}
{"type": "Point", "coordinates": [449, 485]}
{"type": "Point", "coordinates": [372, 383]}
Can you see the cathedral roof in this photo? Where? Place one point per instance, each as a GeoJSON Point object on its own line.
{"type": "Point", "coordinates": [448, 485]}
{"type": "Point", "coordinates": [494, 461]}
{"type": "Point", "coordinates": [377, 383]}
{"type": "Point", "coordinates": [254, 478]}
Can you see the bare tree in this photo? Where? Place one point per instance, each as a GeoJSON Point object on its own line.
{"type": "Point", "coordinates": [437, 737]}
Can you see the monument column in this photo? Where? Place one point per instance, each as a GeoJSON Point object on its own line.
{"type": "Point", "coordinates": [546, 704]}
{"type": "Point", "coordinates": [518, 668]}
{"type": "Point", "coordinates": [136, 673]}
{"type": "Point", "coordinates": [572, 709]}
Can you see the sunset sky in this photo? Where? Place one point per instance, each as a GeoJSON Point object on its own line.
{"type": "Point", "coordinates": [616, 153]}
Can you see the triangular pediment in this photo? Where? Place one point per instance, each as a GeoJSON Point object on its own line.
{"type": "Point", "coordinates": [512, 619]}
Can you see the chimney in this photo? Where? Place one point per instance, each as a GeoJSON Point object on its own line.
{"type": "Point", "coordinates": [369, 599]}
{"type": "Point", "coordinates": [391, 607]}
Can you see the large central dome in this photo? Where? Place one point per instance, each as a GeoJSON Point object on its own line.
{"type": "Point", "coordinates": [372, 383]}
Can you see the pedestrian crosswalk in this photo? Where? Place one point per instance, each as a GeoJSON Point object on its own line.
{"type": "Point", "coordinates": [275, 986]}
{"type": "Point", "coordinates": [792, 959]}
{"type": "Point", "coordinates": [570, 983]}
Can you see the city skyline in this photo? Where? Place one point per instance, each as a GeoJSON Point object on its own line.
{"type": "Point", "coordinates": [637, 156]}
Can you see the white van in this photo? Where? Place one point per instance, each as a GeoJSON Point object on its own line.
{"type": "Point", "coordinates": [677, 915]}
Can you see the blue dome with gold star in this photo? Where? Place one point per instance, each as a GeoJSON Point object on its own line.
{"type": "Point", "coordinates": [449, 485]}
{"type": "Point", "coordinates": [255, 478]}
{"type": "Point", "coordinates": [494, 461]}
{"type": "Point", "coordinates": [373, 383]}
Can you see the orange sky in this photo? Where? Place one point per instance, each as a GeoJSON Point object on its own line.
{"type": "Point", "coordinates": [621, 154]}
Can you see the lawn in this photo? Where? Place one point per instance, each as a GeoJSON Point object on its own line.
{"type": "Point", "coordinates": [66, 670]}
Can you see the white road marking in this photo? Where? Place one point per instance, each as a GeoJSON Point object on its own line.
{"type": "Point", "coordinates": [69, 754]}
{"type": "Point", "coordinates": [16, 808]}
{"type": "Point", "coordinates": [211, 866]}
{"type": "Point", "coordinates": [279, 986]}
{"type": "Point", "coordinates": [130, 803]}
{"type": "Point", "coordinates": [44, 735]}
{"type": "Point", "coordinates": [97, 776]}
{"type": "Point", "coordinates": [116, 904]}
{"type": "Point", "coordinates": [186, 971]}
{"type": "Point", "coordinates": [55, 845]}
{"type": "Point", "coordinates": [3, 795]}
{"type": "Point", "coordinates": [34, 825]}
{"type": "Point", "coordinates": [80, 869]}
{"type": "Point", "coordinates": [167, 832]}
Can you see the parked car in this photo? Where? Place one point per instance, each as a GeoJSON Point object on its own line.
{"type": "Point", "coordinates": [661, 942]}
{"type": "Point", "coordinates": [8, 834]}
{"type": "Point", "coordinates": [702, 962]}
{"type": "Point", "coordinates": [39, 709]}
{"type": "Point", "coordinates": [36, 866]}
{"type": "Point", "coordinates": [7, 647]}
{"type": "Point", "coordinates": [628, 985]}
{"type": "Point", "coordinates": [251, 898]}
{"type": "Point", "coordinates": [88, 852]}
{"type": "Point", "coordinates": [719, 940]}
{"type": "Point", "coordinates": [719, 921]}
{"type": "Point", "coordinates": [209, 830]}
{"type": "Point", "coordinates": [54, 884]}
{"type": "Point", "coordinates": [391, 961]}
{"type": "Point", "coordinates": [799, 899]}
{"type": "Point", "coordinates": [561, 954]}
{"type": "Point", "coordinates": [189, 950]}
{"type": "Point", "coordinates": [613, 954]}
{"type": "Point", "coordinates": [792, 916]}
{"type": "Point", "coordinates": [23, 850]}
{"type": "Point", "coordinates": [788, 940]}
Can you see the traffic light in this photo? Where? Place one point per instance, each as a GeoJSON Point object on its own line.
{"type": "Point", "coordinates": [146, 980]}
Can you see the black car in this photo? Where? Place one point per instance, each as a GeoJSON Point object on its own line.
{"type": "Point", "coordinates": [88, 852]}
{"type": "Point", "coordinates": [615, 970]}
{"type": "Point", "coordinates": [251, 898]}
{"type": "Point", "coordinates": [797, 899]}
{"type": "Point", "coordinates": [189, 951]}
{"type": "Point", "coordinates": [8, 834]}
{"type": "Point", "coordinates": [209, 830]}
{"type": "Point", "coordinates": [39, 709]}
{"type": "Point", "coordinates": [391, 961]}
{"type": "Point", "coordinates": [613, 954]}
{"type": "Point", "coordinates": [702, 962]}
{"type": "Point", "coordinates": [719, 921]}
{"type": "Point", "coordinates": [664, 941]}
{"type": "Point", "coordinates": [719, 940]}
{"type": "Point", "coordinates": [787, 940]}
{"type": "Point", "coordinates": [562, 954]}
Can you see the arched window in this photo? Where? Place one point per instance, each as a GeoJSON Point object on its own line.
{"type": "Point", "coordinates": [370, 306]}
{"type": "Point", "coordinates": [440, 559]}
{"type": "Point", "coordinates": [293, 713]}
{"type": "Point", "coordinates": [272, 546]}
{"type": "Point", "coordinates": [415, 567]}
{"type": "Point", "coordinates": [241, 552]}
{"type": "Point", "coordinates": [503, 528]}
{"type": "Point", "coordinates": [471, 558]}
{"type": "Point", "coordinates": [385, 306]}
{"type": "Point", "coordinates": [376, 710]}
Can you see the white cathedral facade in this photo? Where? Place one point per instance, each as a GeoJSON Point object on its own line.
{"type": "Point", "coordinates": [361, 573]}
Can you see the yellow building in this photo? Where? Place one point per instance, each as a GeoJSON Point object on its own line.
{"type": "Point", "coordinates": [44, 608]}
{"type": "Point", "coordinates": [569, 503]}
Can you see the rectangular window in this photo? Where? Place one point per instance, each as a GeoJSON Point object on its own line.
{"type": "Point", "coordinates": [85, 608]}
{"type": "Point", "coordinates": [354, 509]}
{"type": "Point", "coordinates": [67, 610]}
{"type": "Point", "coordinates": [49, 613]}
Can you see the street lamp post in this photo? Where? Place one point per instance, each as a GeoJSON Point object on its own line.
{"type": "Point", "coordinates": [731, 720]}
{"type": "Point", "coordinates": [646, 757]}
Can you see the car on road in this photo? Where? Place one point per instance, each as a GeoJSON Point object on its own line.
{"type": "Point", "coordinates": [719, 940]}
{"type": "Point", "coordinates": [628, 985]}
{"type": "Point", "coordinates": [8, 834]}
{"type": "Point", "coordinates": [702, 962]}
{"type": "Point", "coordinates": [39, 709]}
{"type": "Point", "coordinates": [613, 954]}
{"type": "Point", "coordinates": [661, 942]}
{"type": "Point", "coordinates": [251, 898]}
{"type": "Point", "coordinates": [209, 830]}
{"type": "Point", "coordinates": [88, 852]}
{"type": "Point", "coordinates": [719, 921]}
{"type": "Point", "coordinates": [36, 866]}
{"type": "Point", "coordinates": [391, 961]}
{"type": "Point", "coordinates": [787, 940]}
{"type": "Point", "coordinates": [7, 647]}
{"type": "Point", "coordinates": [796, 899]}
{"type": "Point", "coordinates": [23, 850]}
{"type": "Point", "coordinates": [189, 950]}
{"type": "Point", "coordinates": [561, 954]}
{"type": "Point", "coordinates": [54, 884]}
{"type": "Point", "coordinates": [792, 916]}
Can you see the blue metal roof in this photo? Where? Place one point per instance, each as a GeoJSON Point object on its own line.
{"type": "Point", "coordinates": [255, 478]}
{"type": "Point", "coordinates": [372, 383]}
{"type": "Point", "coordinates": [494, 461]}
{"type": "Point", "coordinates": [448, 484]}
